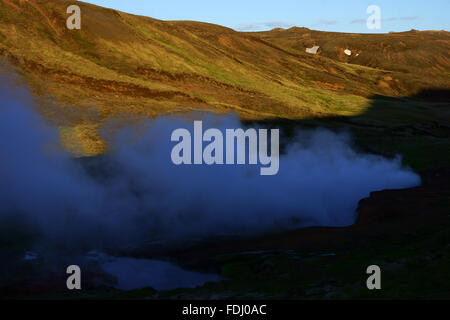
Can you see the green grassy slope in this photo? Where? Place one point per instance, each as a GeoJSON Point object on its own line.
{"type": "Point", "coordinates": [122, 64]}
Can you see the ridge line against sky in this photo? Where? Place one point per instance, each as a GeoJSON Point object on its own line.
{"type": "Point", "coordinates": [325, 15]}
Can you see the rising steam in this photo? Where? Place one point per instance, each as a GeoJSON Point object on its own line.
{"type": "Point", "coordinates": [136, 193]}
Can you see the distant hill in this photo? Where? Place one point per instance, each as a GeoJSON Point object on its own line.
{"type": "Point", "coordinates": [416, 59]}
{"type": "Point", "coordinates": [120, 63]}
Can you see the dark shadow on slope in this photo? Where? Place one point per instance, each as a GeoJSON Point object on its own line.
{"type": "Point", "coordinates": [416, 127]}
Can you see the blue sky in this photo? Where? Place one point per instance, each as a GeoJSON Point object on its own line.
{"type": "Point", "coordinates": [327, 15]}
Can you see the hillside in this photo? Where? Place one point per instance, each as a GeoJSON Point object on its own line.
{"type": "Point", "coordinates": [120, 64]}
{"type": "Point", "coordinates": [384, 97]}
{"type": "Point", "coordinates": [416, 60]}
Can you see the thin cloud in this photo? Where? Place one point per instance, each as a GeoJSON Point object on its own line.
{"type": "Point", "coordinates": [248, 27]}
{"type": "Point", "coordinates": [278, 24]}
{"type": "Point", "coordinates": [327, 22]}
{"type": "Point", "coordinates": [409, 18]}
{"type": "Point", "coordinates": [359, 21]}
{"type": "Point", "coordinates": [389, 19]}
{"type": "Point", "coordinates": [264, 25]}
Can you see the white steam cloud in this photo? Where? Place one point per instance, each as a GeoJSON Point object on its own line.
{"type": "Point", "coordinates": [136, 193]}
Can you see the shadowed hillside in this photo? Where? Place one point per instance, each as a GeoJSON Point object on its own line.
{"type": "Point", "coordinates": [120, 64]}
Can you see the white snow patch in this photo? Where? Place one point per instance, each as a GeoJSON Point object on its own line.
{"type": "Point", "coordinates": [313, 50]}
